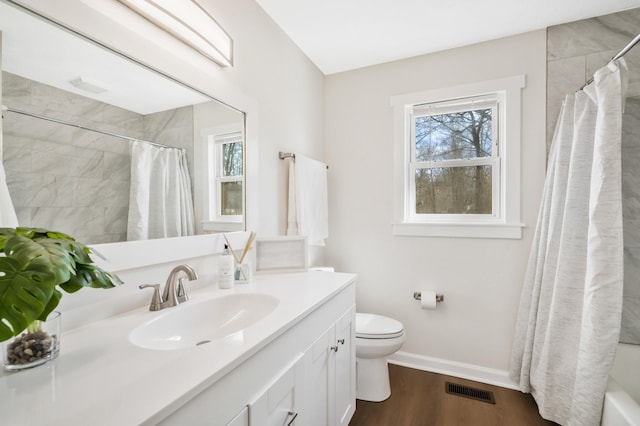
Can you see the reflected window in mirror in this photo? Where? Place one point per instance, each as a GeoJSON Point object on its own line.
{"type": "Point", "coordinates": [224, 207]}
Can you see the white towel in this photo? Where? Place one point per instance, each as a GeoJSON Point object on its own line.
{"type": "Point", "coordinates": [8, 217]}
{"type": "Point", "coordinates": [308, 212]}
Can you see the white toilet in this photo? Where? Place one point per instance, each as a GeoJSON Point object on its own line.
{"type": "Point", "coordinates": [377, 337]}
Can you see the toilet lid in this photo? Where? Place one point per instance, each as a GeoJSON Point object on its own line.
{"type": "Point", "coordinates": [372, 326]}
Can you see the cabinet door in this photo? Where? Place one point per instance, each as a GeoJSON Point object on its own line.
{"type": "Point", "coordinates": [345, 374]}
{"type": "Point", "coordinates": [330, 374]}
{"type": "Point", "coordinates": [319, 380]}
{"type": "Point", "coordinates": [242, 419]}
{"type": "Point", "coordinates": [280, 403]}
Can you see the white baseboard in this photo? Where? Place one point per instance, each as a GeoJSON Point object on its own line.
{"type": "Point", "coordinates": [473, 372]}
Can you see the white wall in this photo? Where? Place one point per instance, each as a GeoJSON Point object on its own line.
{"type": "Point", "coordinates": [289, 90]}
{"type": "Point", "coordinates": [480, 278]}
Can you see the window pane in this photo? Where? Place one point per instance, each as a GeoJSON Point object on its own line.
{"type": "Point", "coordinates": [454, 190]}
{"type": "Point", "coordinates": [231, 198]}
{"type": "Point", "coordinates": [232, 159]}
{"type": "Point", "coordinates": [457, 135]}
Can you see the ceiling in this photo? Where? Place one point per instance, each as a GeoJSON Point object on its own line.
{"type": "Point", "coordinates": [340, 35]}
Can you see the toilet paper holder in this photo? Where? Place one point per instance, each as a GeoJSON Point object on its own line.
{"type": "Point", "coordinates": [418, 296]}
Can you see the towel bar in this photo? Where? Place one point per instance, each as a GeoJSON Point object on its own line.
{"type": "Point", "coordinates": [285, 155]}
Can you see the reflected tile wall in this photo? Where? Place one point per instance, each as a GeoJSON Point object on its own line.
{"type": "Point", "coordinates": [574, 52]}
{"type": "Point", "coordinates": [65, 178]}
{"type": "Point", "coordinates": [72, 180]}
{"type": "Point", "coordinates": [172, 128]}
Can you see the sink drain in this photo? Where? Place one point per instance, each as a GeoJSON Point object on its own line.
{"type": "Point", "coordinates": [202, 342]}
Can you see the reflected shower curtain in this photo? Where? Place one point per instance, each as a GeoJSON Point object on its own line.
{"type": "Point", "coordinates": [8, 217]}
{"type": "Point", "coordinates": [160, 202]}
{"type": "Point", "coordinates": [569, 319]}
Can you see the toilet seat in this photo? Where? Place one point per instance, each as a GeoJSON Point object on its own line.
{"type": "Point", "coordinates": [372, 326]}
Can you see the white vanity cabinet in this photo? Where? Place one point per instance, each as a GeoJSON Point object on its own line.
{"type": "Point", "coordinates": [330, 368]}
{"type": "Point", "coordinates": [242, 419]}
{"type": "Point", "coordinates": [281, 402]}
{"type": "Point", "coordinates": [299, 358]}
{"type": "Point", "coordinates": [304, 376]}
{"type": "Point", "coordinates": [344, 399]}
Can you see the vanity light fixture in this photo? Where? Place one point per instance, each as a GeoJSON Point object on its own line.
{"type": "Point", "coordinates": [189, 22]}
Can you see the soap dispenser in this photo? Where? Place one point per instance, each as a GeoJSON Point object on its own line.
{"type": "Point", "coordinates": [225, 269]}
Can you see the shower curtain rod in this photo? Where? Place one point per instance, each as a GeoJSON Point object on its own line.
{"type": "Point", "coordinates": [619, 55]}
{"type": "Point", "coordinates": [79, 126]}
{"type": "Point", "coordinates": [627, 48]}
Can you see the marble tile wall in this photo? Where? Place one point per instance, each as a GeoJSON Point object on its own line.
{"type": "Point", "coordinates": [72, 180]}
{"type": "Point", "coordinates": [173, 128]}
{"type": "Point", "coordinates": [574, 52]}
{"type": "Point", "coordinates": [577, 49]}
{"type": "Point", "coordinates": [630, 332]}
{"type": "Point", "coordinates": [62, 177]}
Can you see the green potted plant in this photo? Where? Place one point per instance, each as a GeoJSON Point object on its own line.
{"type": "Point", "coordinates": [35, 265]}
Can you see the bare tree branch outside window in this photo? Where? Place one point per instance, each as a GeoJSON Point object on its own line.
{"type": "Point", "coordinates": [456, 188]}
{"type": "Point", "coordinates": [231, 199]}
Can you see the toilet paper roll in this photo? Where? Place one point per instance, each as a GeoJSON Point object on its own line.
{"type": "Point", "coordinates": [428, 299]}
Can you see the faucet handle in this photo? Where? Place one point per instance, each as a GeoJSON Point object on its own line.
{"type": "Point", "coordinates": [156, 300]}
{"type": "Point", "coordinates": [181, 292]}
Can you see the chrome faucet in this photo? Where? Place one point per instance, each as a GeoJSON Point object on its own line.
{"type": "Point", "coordinates": [174, 290]}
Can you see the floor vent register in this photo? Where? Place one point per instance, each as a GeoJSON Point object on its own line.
{"type": "Point", "coordinates": [468, 392]}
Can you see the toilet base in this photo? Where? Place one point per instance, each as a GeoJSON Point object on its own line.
{"type": "Point", "coordinates": [372, 379]}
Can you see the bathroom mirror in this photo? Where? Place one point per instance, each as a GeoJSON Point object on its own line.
{"type": "Point", "coordinates": [67, 97]}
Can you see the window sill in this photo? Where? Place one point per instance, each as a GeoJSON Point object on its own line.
{"type": "Point", "coordinates": [459, 230]}
{"type": "Point", "coordinates": [222, 226]}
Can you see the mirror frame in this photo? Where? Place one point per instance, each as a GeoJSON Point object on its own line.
{"type": "Point", "coordinates": [112, 26]}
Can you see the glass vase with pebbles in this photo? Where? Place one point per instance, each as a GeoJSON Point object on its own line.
{"type": "Point", "coordinates": [39, 343]}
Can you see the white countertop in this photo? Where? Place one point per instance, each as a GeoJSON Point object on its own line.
{"type": "Point", "coordinates": [100, 378]}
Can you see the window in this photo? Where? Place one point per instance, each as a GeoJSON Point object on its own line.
{"type": "Point", "coordinates": [457, 155]}
{"type": "Point", "coordinates": [454, 159]}
{"type": "Point", "coordinates": [225, 176]}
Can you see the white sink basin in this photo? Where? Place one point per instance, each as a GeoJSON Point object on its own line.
{"type": "Point", "coordinates": [196, 323]}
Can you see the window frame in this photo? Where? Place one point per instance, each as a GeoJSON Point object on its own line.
{"type": "Point", "coordinates": [213, 140]}
{"type": "Point", "coordinates": [504, 222]}
{"type": "Point", "coordinates": [217, 145]}
{"type": "Point", "coordinates": [449, 107]}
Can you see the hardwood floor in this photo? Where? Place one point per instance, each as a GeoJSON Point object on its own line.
{"type": "Point", "coordinates": [418, 398]}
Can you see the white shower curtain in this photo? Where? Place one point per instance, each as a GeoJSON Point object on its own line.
{"type": "Point", "coordinates": [160, 201]}
{"type": "Point", "coordinates": [8, 217]}
{"type": "Point", "coordinates": [569, 320]}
